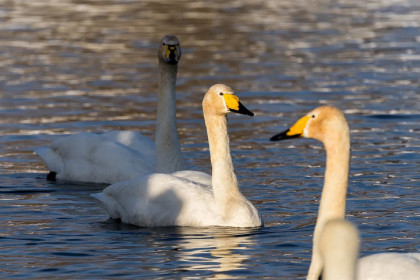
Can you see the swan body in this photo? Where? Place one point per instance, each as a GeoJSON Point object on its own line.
{"type": "Point", "coordinates": [328, 125]}
{"type": "Point", "coordinates": [122, 155]}
{"type": "Point", "coordinates": [97, 158]}
{"type": "Point", "coordinates": [389, 266]}
{"type": "Point", "coordinates": [189, 198]}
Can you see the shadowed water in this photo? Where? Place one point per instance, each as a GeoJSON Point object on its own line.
{"type": "Point", "coordinates": [70, 66]}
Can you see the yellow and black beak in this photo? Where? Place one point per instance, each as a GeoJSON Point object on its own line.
{"type": "Point", "coordinates": [233, 105]}
{"type": "Point", "coordinates": [172, 53]}
{"type": "Point", "coordinates": [295, 131]}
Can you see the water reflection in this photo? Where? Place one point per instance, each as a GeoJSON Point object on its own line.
{"type": "Point", "coordinates": [219, 250]}
{"type": "Point", "coordinates": [215, 253]}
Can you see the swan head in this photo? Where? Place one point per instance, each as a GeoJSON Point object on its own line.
{"type": "Point", "coordinates": [221, 100]}
{"type": "Point", "coordinates": [170, 50]}
{"type": "Point", "coordinates": [325, 123]}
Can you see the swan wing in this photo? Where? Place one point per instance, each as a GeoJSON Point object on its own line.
{"type": "Point", "coordinates": [160, 200]}
{"type": "Point", "coordinates": [135, 141]}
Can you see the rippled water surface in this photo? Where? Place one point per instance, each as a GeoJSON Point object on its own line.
{"type": "Point", "coordinates": [70, 66]}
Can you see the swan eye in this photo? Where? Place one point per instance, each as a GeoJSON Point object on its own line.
{"type": "Point", "coordinates": [221, 93]}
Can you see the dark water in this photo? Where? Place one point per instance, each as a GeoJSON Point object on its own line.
{"type": "Point", "coordinates": [69, 66]}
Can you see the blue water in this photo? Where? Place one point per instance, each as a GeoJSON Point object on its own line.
{"type": "Point", "coordinates": [70, 66]}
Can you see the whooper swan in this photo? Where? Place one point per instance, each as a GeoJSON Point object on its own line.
{"type": "Point", "coordinates": [189, 198]}
{"type": "Point", "coordinates": [328, 125]}
{"type": "Point", "coordinates": [121, 155]}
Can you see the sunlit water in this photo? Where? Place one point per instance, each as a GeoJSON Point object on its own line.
{"type": "Point", "coordinates": [69, 66]}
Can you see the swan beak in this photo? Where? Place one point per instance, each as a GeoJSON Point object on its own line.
{"type": "Point", "coordinates": [172, 53]}
{"type": "Point", "coordinates": [295, 131]}
{"type": "Point", "coordinates": [233, 104]}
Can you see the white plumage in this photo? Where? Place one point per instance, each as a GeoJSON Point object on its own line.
{"type": "Point", "coordinates": [89, 157]}
{"type": "Point", "coordinates": [389, 266]}
{"type": "Point", "coordinates": [189, 198]}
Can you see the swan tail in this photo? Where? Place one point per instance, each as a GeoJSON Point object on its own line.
{"type": "Point", "coordinates": [52, 176]}
{"type": "Point", "coordinates": [52, 161]}
{"type": "Point", "coordinates": [110, 205]}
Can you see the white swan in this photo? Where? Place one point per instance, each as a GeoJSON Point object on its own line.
{"type": "Point", "coordinates": [121, 155]}
{"type": "Point", "coordinates": [189, 198]}
{"type": "Point", "coordinates": [328, 125]}
{"type": "Point", "coordinates": [339, 249]}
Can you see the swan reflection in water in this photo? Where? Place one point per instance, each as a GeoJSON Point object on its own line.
{"type": "Point", "coordinates": [219, 249]}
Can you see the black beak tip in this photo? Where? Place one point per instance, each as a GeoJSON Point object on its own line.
{"type": "Point", "coordinates": [282, 135]}
{"type": "Point", "coordinates": [242, 110]}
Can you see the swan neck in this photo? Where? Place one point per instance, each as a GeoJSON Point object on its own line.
{"type": "Point", "coordinates": [168, 149]}
{"type": "Point", "coordinates": [333, 198]}
{"type": "Point", "coordinates": [224, 182]}
{"type": "Point", "coordinates": [334, 192]}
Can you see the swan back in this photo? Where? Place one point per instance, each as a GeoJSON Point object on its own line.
{"type": "Point", "coordinates": [389, 266]}
{"type": "Point", "coordinates": [339, 247]}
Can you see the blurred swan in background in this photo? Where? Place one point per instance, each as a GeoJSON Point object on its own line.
{"type": "Point", "coordinates": [328, 125]}
{"type": "Point", "coordinates": [121, 155]}
{"type": "Point", "coordinates": [190, 198]}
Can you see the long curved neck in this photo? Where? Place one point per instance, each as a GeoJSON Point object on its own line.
{"type": "Point", "coordinates": [224, 182]}
{"type": "Point", "coordinates": [333, 197]}
{"type": "Point", "coordinates": [168, 150]}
